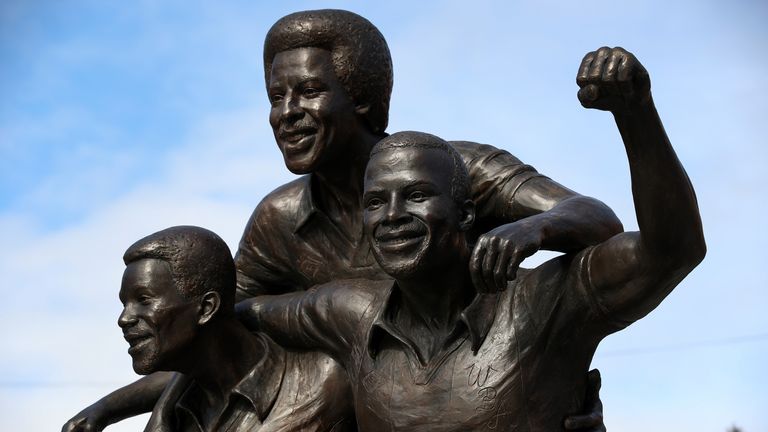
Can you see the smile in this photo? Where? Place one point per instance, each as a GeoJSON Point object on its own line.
{"type": "Point", "coordinates": [136, 341]}
{"type": "Point", "coordinates": [295, 137]}
{"type": "Point", "coordinates": [399, 241]}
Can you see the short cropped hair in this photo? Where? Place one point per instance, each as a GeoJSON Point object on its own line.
{"type": "Point", "coordinates": [359, 52]}
{"type": "Point", "coordinates": [412, 139]}
{"type": "Point", "coordinates": [198, 259]}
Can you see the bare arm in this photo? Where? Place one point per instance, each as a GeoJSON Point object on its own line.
{"type": "Point", "coordinates": [324, 318]}
{"type": "Point", "coordinates": [542, 214]}
{"type": "Point", "coordinates": [634, 272]}
{"type": "Point", "coordinates": [134, 399]}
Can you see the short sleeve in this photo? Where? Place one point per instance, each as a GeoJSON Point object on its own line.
{"type": "Point", "coordinates": [260, 259]}
{"type": "Point", "coordinates": [559, 298]}
{"type": "Point", "coordinates": [495, 176]}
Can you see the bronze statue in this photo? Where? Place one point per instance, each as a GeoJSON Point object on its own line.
{"type": "Point", "coordinates": [429, 351]}
{"type": "Point", "coordinates": [178, 315]}
{"type": "Point", "coordinates": [329, 78]}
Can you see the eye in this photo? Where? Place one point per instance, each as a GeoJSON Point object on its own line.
{"type": "Point", "coordinates": [145, 300]}
{"type": "Point", "coordinates": [275, 98]}
{"type": "Point", "coordinates": [417, 196]}
{"type": "Point", "coordinates": [311, 92]}
{"type": "Point", "coordinates": [373, 203]}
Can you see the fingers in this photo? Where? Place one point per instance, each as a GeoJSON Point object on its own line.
{"type": "Point", "coordinates": [494, 263]}
{"type": "Point", "coordinates": [499, 272]}
{"type": "Point", "coordinates": [489, 262]}
{"type": "Point", "coordinates": [588, 95]}
{"type": "Point", "coordinates": [595, 381]}
{"type": "Point", "coordinates": [581, 76]}
{"type": "Point", "coordinates": [607, 78]}
{"type": "Point", "coordinates": [596, 69]}
{"type": "Point", "coordinates": [476, 265]}
{"type": "Point", "coordinates": [593, 421]}
{"type": "Point", "coordinates": [78, 425]}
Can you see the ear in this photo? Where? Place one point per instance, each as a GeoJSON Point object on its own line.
{"type": "Point", "coordinates": [362, 109]}
{"type": "Point", "coordinates": [209, 305]}
{"type": "Point", "coordinates": [466, 215]}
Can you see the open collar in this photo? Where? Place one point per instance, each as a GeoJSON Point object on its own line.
{"type": "Point", "coordinates": [260, 386]}
{"type": "Point", "coordinates": [477, 318]}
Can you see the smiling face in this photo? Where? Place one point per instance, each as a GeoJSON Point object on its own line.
{"type": "Point", "coordinates": [157, 322]}
{"type": "Point", "coordinates": [413, 223]}
{"type": "Point", "coordinates": [312, 116]}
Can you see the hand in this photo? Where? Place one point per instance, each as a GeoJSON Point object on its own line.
{"type": "Point", "coordinates": [593, 421]}
{"type": "Point", "coordinates": [88, 420]}
{"type": "Point", "coordinates": [498, 254]}
{"type": "Point", "coordinates": [612, 79]}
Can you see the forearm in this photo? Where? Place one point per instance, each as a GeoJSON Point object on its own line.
{"type": "Point", "coordinates": [285, 318]}
{"type": "Point", "coordinates": [575, 223]}
{"type": "Point", "coordinates": [136, 398]}
{"type": "Point", "coordinates": [665, 202]}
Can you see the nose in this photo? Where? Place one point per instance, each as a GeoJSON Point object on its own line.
{"type": "Point", "coordinates": [127, 317]}
{"type": "Point", "coordinates": [289, 109]}
{"type": "Point", "coordinates": [395, 211]}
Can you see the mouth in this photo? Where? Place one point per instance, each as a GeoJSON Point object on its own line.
{"type": "Point", "coordinates": [136, 341]}
{"type": "Point", "coordinates": [398, 241]}
{"type": "Point", "coordinates": [295, 139]}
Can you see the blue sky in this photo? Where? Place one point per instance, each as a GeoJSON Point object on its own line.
{"type": "Point", "coordinates": [120, 119]}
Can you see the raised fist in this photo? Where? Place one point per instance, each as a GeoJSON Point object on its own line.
{"type": "Point", "coordinates": [612, 79]}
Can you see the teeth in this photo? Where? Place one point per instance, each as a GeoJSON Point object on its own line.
{"type": "Point", "coordinates": [399, 240]}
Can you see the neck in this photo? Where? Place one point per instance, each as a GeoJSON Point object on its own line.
{"type": "Point", "coordinates": [339, 185]}
{"type": "Point", "coordinates": [225, 353]}
{"type": "Point", "coordinates": [436, 297]}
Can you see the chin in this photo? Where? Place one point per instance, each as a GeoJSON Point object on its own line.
{"type": "Point", "coordinates": [145, 363]}
{"type": "Point", "coordinates": [143, 367]}
{"type": "Point", "coordinates": [300, 165]}
{"type": "Point", "coordinates": [402, 269]}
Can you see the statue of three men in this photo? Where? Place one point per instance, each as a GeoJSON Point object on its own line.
{"type": "Point", "coordinates": [422, 320]}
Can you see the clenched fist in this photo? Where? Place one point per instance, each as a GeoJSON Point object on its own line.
{"type": "Point", "coordinates": [612, 79]}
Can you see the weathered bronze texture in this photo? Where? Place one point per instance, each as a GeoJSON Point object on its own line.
{"type": "Point", "coordinates": [178, 295]}
{"type": "Point", "coordinates": [429, 351]}
{"type": "Point", "coordinates": [329, 76]}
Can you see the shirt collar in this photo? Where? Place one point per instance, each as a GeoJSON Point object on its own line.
{"type": "Point", "coordinates": [306, 203]}
{"type": "Point", "coordinates": [477, 318]}
{"type": "Point", "coordinates": [260, 386]}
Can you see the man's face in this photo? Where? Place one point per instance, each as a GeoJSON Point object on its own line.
{"type": "Point", "coordinates": [410, 216]}
{"type": "Point", "coordinates": [312, 115]}
{"type": "Point", "coordinates": [157, 322]}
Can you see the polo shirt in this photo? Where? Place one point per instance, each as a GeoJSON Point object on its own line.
{"type": "Point", "coordinates": [290, 244]}
{"type": "Point", "coordinates": [281, 392]}
{"type": "Point", "coordinates": [524, 372]}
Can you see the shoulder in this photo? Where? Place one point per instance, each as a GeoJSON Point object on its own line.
{"type": "Point", "coordinates": [283, 202]}
{"type": "Point", "coordinates": [472, 151]}
{"type": "Point", "coordinates": [358, 297]}
{"type": "Point", "coordinates": [554, 287]}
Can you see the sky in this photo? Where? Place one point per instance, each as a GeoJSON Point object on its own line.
{"type": "Point", "coordinates": [118, 119]}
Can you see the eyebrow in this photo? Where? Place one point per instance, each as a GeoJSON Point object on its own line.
{"type": "Point", "coordinates": [410, 185]}
{"type": "Point", "coordinates": [304, 79]}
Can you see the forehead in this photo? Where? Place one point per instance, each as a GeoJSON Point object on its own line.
{"type": "Point", "coordinates": [147, 273]}
{"type": "Point", "coordinates": [301, 63]}
{"type": "Point", "coordinates": [409, 164]}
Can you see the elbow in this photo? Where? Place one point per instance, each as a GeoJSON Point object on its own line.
{"type": "Point", "coordinates": [690, 256]}
{"type": "Point", "coordinates": [598, 215]}
{"type": "Point", "coordinates": [698, 251]}
{"type": "Point", "coordinates": [606, 218]}
{"type": "Point", "coordinates": [244, 311]}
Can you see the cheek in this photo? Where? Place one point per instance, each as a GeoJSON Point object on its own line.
{"type": "Point", "coordinates": [370, 220]}
{"type": "Point", "coordinates": [274, 119]}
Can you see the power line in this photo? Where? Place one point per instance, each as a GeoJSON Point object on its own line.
{"type": "Point", "coordinates": [684, 346]}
